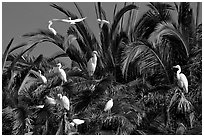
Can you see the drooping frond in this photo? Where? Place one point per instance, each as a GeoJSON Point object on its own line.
{"type": "Point", "coordinates": [46, 36]}
{"type": "Point", "coordinates": [159, 12]}
{"type": "Point", "coordinates": [168, 29]}
{"type": "Point", "coordinates": [138, 57]}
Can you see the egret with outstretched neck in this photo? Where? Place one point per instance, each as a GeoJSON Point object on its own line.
{"type": "Point", "coordinates": [182, 80]}
{"type": "Point", "coordinates": [69, 20]}
{"type": "Point", "coordinates": [92, 63]}
{"type": "Point", "coordinates": [51, 29]}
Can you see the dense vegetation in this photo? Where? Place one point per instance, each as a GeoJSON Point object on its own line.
{"type": "Point", "coordinates": [134, 67]}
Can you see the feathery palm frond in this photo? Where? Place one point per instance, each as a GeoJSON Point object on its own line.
{"type": "Point", "coordinates": [159, 12]}
{"type": "Point", "coordinates": [141, 56]}
{"type": "Point", "coordinates": [167, 29]}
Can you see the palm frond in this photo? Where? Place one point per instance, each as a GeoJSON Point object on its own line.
{"type": "Point", "coordinates": [159, 12]}
{"type": "Point", "coordinates": [168, 29]}
{"type": "Point", "coordinates": [46, 36]}
{"type": "Point", "coordinates": [118, 17]}
{"type": "Point", "coordinates": [20, 121]}
{"type": "Point", "coordinates": [4, 56]}
{"type": "Point", "coordinates": [121, 25]}
{"type": "Point", "coordinates": [61, 9]}
{"type": "Point", "coordinates": [7, 120]}
{"type": "Point", "coordinates": [139, 56]}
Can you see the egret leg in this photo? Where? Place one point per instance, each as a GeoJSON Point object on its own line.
{"type": "Point", "coordinates": [76, 128]}
{"type": "Point", "coordinates": [109, 112]}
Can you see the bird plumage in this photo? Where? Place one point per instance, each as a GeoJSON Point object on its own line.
{"type": "Point", "coordinates": [61, 72]}
{"type": "Point", "coordinates": [51, 29]}
{"type": "Point", "coordinates": [40, 76]}
{"type": "Point", "coordinates": [50, 100]}
{"type": "Point", "coordinates": [63, 101]}
{"type": "Point", "coordinates": [78, 121]}
{"type": "Point", "coordinates": [182, 80]}
{"type": "Point", "coordinates": [92, 63]}
{"type": "Point", "coordinates": [109, 105]}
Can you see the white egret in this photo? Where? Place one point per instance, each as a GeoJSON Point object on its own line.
{"type": "Point", "coordinates": [50, 100]}
{"type": "Point", "coordinates": [42, 78]}
{"type": "Point", "coordinates": [182, 80]}
{"type": "Point", "coordinates": [63, 101]}
{"type": "Point", "coordinates": [91, 65]}
{"type": "Point", "coordinates": [103, 21]}
{"type": "Point", "coordinates": [69, 20]}
{"type": "Point", "coordinates": [78, 121]}
{"type": "Point", "coordinates": [108, 105]}
{"type": "Point", "coordinates": [40, 106]}
{"type": "Point", "coordinates": [61, 72]}
{"type": "Point", "coordinates": [51, 29]}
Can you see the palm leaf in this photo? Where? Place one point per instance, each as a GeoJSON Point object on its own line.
{"type": "Point", "coordinates": [20, 120]}
{"type": "Point", "coordinates": [4, 57]}
{"type": "Point", "coordinates": [46, 36]}
{"type": "Point", "coordinates": [17, 47]}
{"type": "Point", "coordinates": [121, 25]}
{"type": "Point", "coordinates": [159, 12]}
{"type": "Point", "coordinates": [114, 11]}
{"type": "Point", "coordinates": [140, 52]}
{"type": "Point", "coordinates": [66, 12]}
{"type": "Point", "coordinates": [118, 17]}
{"type": "Point", "coordinates": [168, 29]}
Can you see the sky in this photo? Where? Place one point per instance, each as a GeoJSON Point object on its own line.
{"type": "Point", "coordinates": [19, 18]}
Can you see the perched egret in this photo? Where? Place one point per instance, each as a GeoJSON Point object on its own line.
{"type": "Point", "coordinates": [69, 20]}
{"type": "Point", "coordinates": [50, 100]}
{"type": "Point", "coordinates": [91, 65]}
{"type": "Point", "coordinates": [64, 101]}
{"type": "Point", "coordinates": [61, 72]}
{"type": "Point", "coordinates": [51, 29]}
{"type": "Point", "coordinates": [103, 21]}
{"type": "Point", "coordinates": [182, 80]}
{"type": "Point", "coordinates": [42, 78]}
{"type": "Point", "coordinates": [108, 105]}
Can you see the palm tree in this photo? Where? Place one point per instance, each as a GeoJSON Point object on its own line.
{"type": "Point", "coordinates": [133, 70]}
